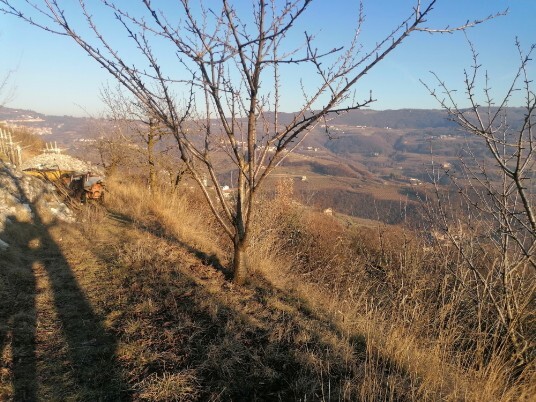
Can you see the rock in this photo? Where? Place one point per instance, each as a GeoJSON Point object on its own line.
{"type": "Point", "coordinates": [18, 191]}
{"type": "Point", "coordinates": [51, 161]}
{"type": "Point", "coordinates": [62, 212]}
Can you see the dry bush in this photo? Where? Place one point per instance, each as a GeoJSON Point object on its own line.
{"type": "Point", "coordinates": [426, 337]}
{"type": "Point", "coordinates": [91, 216]}
{"type": "Point", "coordinates": [495, 239]}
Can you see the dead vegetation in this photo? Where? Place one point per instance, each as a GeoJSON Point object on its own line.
{"type": "Point", "coordinates": [133, 303]}
{"type": "Point", "coordinates": [30, 144]}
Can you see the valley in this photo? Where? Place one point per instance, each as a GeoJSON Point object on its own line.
{"type": "Point", "coordinates": [365, 164]}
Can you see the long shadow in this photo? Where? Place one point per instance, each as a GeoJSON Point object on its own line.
{"type": "Point", "coordinates": [157, 229]}
{"type": "Point", "coordinates": [242, 347]}
{"type": "Point", "coordinates": [18, 319]}
{"type": "Point", "coordinates": [91, 364]}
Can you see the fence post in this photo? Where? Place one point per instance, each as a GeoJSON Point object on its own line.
{"type": "Point", "coordinates": [12, 150]}
{"type": "Point", "coordinates": [19, 156]}
{"type": "Point", "coordinates": [2, 142]}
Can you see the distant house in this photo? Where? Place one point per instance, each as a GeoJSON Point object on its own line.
{"type": "Point", "coordinates": [228, 192]}
{"type": "Point", "coordinates": [328, 211]}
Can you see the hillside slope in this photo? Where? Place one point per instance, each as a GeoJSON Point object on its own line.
{"type": "Point", "coordinates": [131, 302]}
{"type": "Point", "coordinates": [110, 310]}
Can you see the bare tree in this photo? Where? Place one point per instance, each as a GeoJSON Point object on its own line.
{"type": "Point", "coordinates": [137, 127]}
{"type": "Point", "coordinates": [231, 71]}
{"type": "Point", "coordinates": [113, 148]}
{"type": "Point", "coordinates": [495, 238]}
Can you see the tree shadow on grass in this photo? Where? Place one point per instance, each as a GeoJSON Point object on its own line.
{"type": "Point", "coordinates": [17, 322]}
{"type": "Point", "coordinates": [85, 368]}
{"type": "Point", "coordinates": [157, 229]}
{"type": "Point", "coordinates": [182, 320]}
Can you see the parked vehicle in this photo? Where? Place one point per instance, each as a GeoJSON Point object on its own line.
{"type": "Point", "coordinates": [72, 177]}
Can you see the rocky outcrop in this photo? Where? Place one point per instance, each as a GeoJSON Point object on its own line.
{"type": "Point", "coordinates": [53, 161]}
{"type": "Point", "coordinates": [21, 195]}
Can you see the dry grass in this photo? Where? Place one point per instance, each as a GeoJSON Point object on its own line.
{"type": "Point", "coordinates": [377, 287]}
{"type": "Point", "coordinates": [330, 313]}
{"type": "Point", "coordinates": [383, 285]}
{"type": "Point", "coordinates": [170, 387]}
{"type": "Point", "coordinates": [181, 215]}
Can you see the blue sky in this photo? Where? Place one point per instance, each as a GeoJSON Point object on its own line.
{"type": "Point", "coordinates": [53, 76]}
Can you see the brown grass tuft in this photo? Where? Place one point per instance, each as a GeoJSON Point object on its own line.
{"type": "Point", "coordinates": [332, 312]}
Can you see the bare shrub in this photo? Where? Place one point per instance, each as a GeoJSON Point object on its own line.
{"type": "Point", "coordinates": [425, 336]}
{"type": "Point", "coordinates": [493, 242]}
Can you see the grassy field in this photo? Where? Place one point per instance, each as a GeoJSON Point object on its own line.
{"type": "Point", "coordinates": [132, 302]}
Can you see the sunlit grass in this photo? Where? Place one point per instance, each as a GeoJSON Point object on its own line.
{"type": "Point", "coordinates": [329, 313]}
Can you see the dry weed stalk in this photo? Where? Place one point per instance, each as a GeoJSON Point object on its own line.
{"type": "Point", "coordinates": [494, 236]}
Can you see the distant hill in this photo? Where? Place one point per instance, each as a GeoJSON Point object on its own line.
{"type": "Point", "coordinates": [397, 119]}
{"type": "Point", "coordinates": [403, 118]}
{"type": "Point", "coordinates": [65, 128]}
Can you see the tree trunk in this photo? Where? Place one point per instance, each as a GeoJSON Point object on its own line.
{"type": "Point", "coordinates": [150, 159]}
{"type": "Point", "coordinates": [240, 266]}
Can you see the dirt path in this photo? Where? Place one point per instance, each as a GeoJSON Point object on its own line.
{"type": "Point", "coordinates": [54, 345]}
